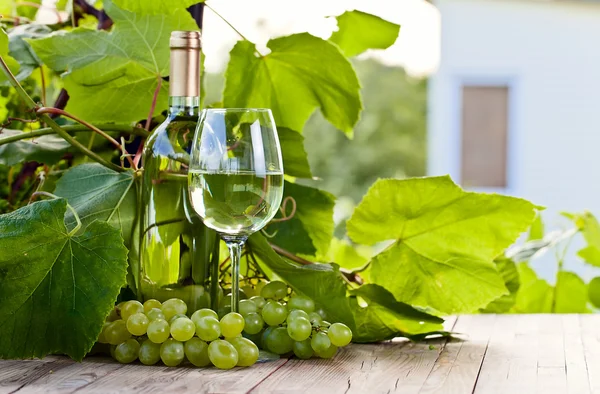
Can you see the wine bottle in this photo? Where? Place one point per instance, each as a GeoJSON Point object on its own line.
{"type": "Point", "coordinates": [175, 247]}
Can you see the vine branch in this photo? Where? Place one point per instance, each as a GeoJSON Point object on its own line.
{"type": "Point", "coordinates": [230, 25]}
{"type": "Point", "coordinates": [51, 123]}
{"type": "Point", "coordinates": [47, 110]}
{"type": "Point", "coordinates": [138, 131]}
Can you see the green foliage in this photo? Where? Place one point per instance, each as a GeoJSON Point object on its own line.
{"type": "Point", "coordinates": [310, 231]}
{"type": "Point", "coordinates": [594, 291]}
{"type": "Point", "coordinates": [156, 6]}
{"type": "Point", "coordinates": [510, 275]}
{"type": "Point", "coordinates": [359, 31]}
{"type": "Point", "coordinates": [98, 193]}
{"type": "Point", "coordinates": [12, 64]}
{"type": "Point", "coordinates": [301, 73]}
{"type": "Point", "coordinates": [22, 51]}
{"type": "Point", "coordinates": [445, 240]}
{"type": "Point", "coordinates": [113, 76]}
{"type": "Point", "coordinates": [57, 287]}
{"type": "Point", "coordinates": [389, 140]}
{"type": "Point", "coordinates": [47, 149]}
{"type": "Point", "coordinates": [292, 149]}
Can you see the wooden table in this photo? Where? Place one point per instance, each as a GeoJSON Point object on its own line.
{"type": "Point", "coordinates": [493, 354]}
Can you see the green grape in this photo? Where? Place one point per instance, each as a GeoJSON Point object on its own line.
{"type": "Point", "coordinates": [253, 323]}
{"type": "Point", "coordinates": [102, 337]}
{"type": "Point", "coordinates": [259, 301]}
{"type": "Point", "coordinates": [274, 313]}
{"type": "Point", "coordinates": [116, 332]}
{"type": "Point", "coordinates": [172, 307]}
{"type": "Point", "coordinates": [247, 351]}
{"type": "Point", "coordinates": [151, 304]}
{"type": "Point", "coordinates": [247, 306]}
{"type": "Point", "coordinates": [112, 350]}
{"type": "Point", "coordinates": [130, 308]}
{"type": "Point", "coordinates": [278, 341]}
{"type": "Point", "coordinates": [208, 328]}
{"type": "Point", "coordinates": [275, 290]}
{"type": "Point", "coordinates": [259, 286]}
{"type": "Point", "coordinates": [299, 329]}
{"type": "Point", "coordinates": [264, 336]}
{"type": "Point", "coordinates": [296, 313]}
{"type": "Point", "coordinates": [183, 329]}
{"type": "Point", "coordinates": [301, 302]}
{"type": "Point", "coordinates": [155, 313]}
{"type": "Point", "coordinates": [222, 354]}
{"type": "Point", "coordinates": [171, 352]}
{"type": "Point", "coordinates": [328, 353]}
{"type": "Point", "coordinates": [200, 313]}
{"type": "Point", "coordinates": [127, 352]}
{"type": "Point", "coordinates": [196, 351]}
{"type": "Point", "coordinates": [315, 318]}
{"type": "Point", "coordinates": [137, 324]}
{"type": "Point", "coordinates": [320, 342]}
{"type": "Point", "coordinates": [158, 331]}
{"type": "Point", "coordinates": [149, 353]}
{"type": "Point", "coordinates": [256, 338]}
{"type": "Point", "coordinates": [113, 315]}
{"type": "Point", "coordinates": [339, 334]}
{"type": "Point", "coordinates": [177, 316]}
{"type": "Point", "coordinates": [303, 350]}
{"type": "Point", "coordinates": [321, 312]}
{"type": "Point", "coordinates": [249, 290]}
{"type": "Point", "coordinates": [232, 324]}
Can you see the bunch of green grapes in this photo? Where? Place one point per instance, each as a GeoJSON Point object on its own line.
{"type": "Point", "coordinates": [155, 331]}
{"type": "Point", "coordinates": [294, 326]}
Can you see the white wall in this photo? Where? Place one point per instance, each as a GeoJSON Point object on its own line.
{"type": "Point", "coordinates": [549, 53]}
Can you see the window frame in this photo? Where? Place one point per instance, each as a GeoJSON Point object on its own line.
{"type": "Point", "coordinates": [513, 145]}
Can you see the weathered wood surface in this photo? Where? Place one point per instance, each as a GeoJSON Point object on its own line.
{"type": "Point", "coordinates": [490, 354]}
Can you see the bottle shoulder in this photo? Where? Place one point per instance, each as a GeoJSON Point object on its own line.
{"type": "Point", "coordinates": [173, 136]}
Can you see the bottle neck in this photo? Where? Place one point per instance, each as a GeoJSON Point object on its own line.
{"type": "Point", "coordinates": [184, 105]}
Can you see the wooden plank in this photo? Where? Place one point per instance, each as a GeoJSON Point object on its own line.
{"type": "Point", "coordinates": [458, 366]}
{"type": "Point", "coordinates": [591, 344]}
{"type": "Point", "coordinates": [16, 374]}
{"type": "Point", "coordinates": [577, 373]}
{"type": "Point", "coordinates": [395, 366]}
{"type": "Point", "coordinates": [103, 375]}
{"type": "Point", "coordinates": [510, 362]}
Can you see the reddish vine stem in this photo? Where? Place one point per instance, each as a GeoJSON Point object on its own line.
{"type": "Point", "coordinates": [46, 110]}
{"type": "Point", "coordinates": [350, 276]}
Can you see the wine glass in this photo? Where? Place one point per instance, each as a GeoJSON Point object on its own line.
{"type": "Point", "coordinates": [236, 177]}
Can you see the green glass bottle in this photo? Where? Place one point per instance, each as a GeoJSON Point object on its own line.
{"type": "Point", "coordinates": [176, 249]}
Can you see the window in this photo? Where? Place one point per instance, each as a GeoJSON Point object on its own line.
{"type": "Point", "coordinates": [484, 136]}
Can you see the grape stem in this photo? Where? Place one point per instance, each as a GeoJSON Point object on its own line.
{"type": "Point", "coordinates": [350, 276]}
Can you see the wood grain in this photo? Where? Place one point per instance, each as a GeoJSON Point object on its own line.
{"type": "Point", "coordinates": [490, 354]}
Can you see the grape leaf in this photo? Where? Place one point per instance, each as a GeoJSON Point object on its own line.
{"type": "Point", "coordinates": [445, 240]}
{"type": "Point", "coordinates": [154, 6]}
{"type": "Point", "coordinates": [99, 193]}
{"type": "Point", "coordinates": [46, 149]}
{"type": "Point", "coordinates": [359, 31]}
{"type": "Point", "coordinates": [385, 317]}
{"type": "Point", "coordinates": [594, 292]}
{"type": "Point", "coordinates": [295, 160]}
{"type": "Point", "coordinates": [537, 229]}
{"type": "Point", "coordinates": [510, 275]}
{"type": "Point", "coordinates": [571, 294]}
{"type": "Point", "coordinates": [301, 73]}
{"type": "Point", "coordinates": [22, 51]}
{"type": "Point", "coordinates": [589, 227]}
{"type": "Point", "coordinates": [112, 76]}
{"type": "Point", "coordinates": [346, 255]}
{"type": "Point", "coordinates": [535, 294]}
{"type": "Point", "coordinates": [310, 231]}
{"type": "Point", "coordinates": [57, 288]}
{"type": "Point", "coordinates": [12, 64]}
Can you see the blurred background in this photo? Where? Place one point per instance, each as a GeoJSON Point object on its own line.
{"type": "Point", "coordinates": [501, 95]}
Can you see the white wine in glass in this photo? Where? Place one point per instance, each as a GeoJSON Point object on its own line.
{"type": "Point", "coordinates": [236, 177]}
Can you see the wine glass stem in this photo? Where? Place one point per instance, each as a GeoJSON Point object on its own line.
{"type": "Point", "coordinates": [235, 245]}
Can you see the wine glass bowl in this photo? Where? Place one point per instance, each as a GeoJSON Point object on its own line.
{"type": "Point", "coordinates": [236, 175]}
